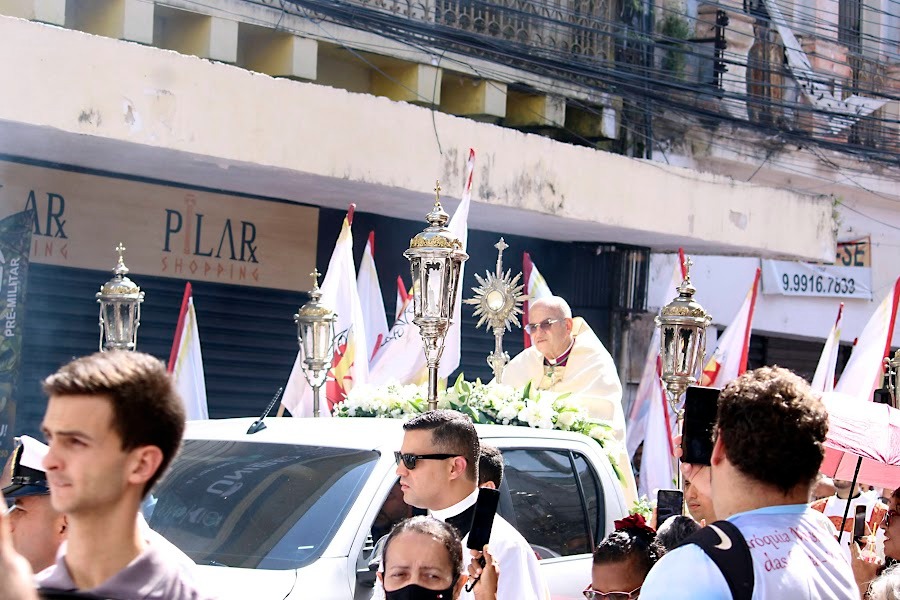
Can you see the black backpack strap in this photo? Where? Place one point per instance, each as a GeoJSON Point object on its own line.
{"type": "Point", "coordinates": [726, 547]}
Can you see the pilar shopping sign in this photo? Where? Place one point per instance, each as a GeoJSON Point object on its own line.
{"type": "Point", "coordinates": [168, 231]}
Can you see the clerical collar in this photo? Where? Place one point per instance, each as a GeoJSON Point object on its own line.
{"type": "Point", "coordinates": [560, 361]}
{"type": "Point", "coordinates": [457, 508]}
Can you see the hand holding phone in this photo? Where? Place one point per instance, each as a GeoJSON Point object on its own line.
{"type": "Point", "coordinates": [859, 526]}
{"type": "Point", "coordinates": [668, 503]}
{"type": "Point", "coordinates": [482, 523]}
{"type": "Point", "coordinates": [700, 407]}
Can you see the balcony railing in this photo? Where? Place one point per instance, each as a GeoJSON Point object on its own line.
{"type": "Point", "coordinates": [573, 27]}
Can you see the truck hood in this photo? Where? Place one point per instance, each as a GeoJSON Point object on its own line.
{"type": "Point", "coordinates": [327, 577]}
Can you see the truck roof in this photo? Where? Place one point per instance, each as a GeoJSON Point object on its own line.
{"type": "Point", "coordinates": [361, 433]}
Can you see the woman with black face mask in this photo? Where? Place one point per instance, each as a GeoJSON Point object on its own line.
{"type": "Point", "coordinates": [423, 560]}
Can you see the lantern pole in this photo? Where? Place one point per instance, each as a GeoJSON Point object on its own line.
{"type": "Point", "coordinates": [682, 324]}
{"type": "Point", "coordinates": [435, 261]}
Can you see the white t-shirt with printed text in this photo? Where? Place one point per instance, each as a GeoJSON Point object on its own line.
{"type": "Point", "coordinates": [794, 558]}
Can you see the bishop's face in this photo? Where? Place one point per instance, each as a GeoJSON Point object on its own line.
{"type": "Point", "coordinates": [551, 339]}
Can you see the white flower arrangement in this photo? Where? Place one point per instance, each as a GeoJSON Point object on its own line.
{"type": "Point", "coordinates": [495, 403]}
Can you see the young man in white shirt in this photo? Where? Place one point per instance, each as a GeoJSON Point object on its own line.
{"type": "Point", "coordinates": [769, 436]}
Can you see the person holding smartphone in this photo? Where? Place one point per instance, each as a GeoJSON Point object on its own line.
{"type": "Point", "coordinates": [768, 446]}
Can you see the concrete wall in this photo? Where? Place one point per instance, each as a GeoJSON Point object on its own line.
{"type": "Point", "coordinates": [104, 90]}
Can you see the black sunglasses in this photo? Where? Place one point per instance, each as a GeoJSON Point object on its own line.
{"type": "Point", "coordinates": [409, 460]}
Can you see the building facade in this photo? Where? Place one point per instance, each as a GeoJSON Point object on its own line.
{"type": "Point", "coordinates": [597, 143]}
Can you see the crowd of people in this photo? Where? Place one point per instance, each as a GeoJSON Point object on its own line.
{"type": "Point", "coordinates": [759, 522]}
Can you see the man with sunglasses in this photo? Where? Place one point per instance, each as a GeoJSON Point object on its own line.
{"type": "Point", "coordinates": [567, 356]}
{"type": "Point", "coordinates": [438, 469]}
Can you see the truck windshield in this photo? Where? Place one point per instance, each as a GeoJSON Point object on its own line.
{"type": "Point", "coordinates": [256, 505]}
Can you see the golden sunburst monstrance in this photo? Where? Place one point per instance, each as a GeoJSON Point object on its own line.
{"type": "Point", "coordinates": [497, 300]}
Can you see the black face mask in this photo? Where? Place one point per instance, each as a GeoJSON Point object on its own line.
{"type": "Point", "coordinates": [417, 592]}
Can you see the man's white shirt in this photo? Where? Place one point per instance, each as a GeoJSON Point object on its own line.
{"type": "Point", "coordinates": [520, 573]}
{"type": "Point", "coordinates": [794, 558]}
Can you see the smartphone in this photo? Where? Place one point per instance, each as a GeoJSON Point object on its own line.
{"type": "Point", "coordinates": [700, 406]}
{"type": "Point", "coordinates": [483, 519]}
{"type": "Point", "coordinates": [668, 503]}
{"type": "Point", "coordinates": [859, 525]}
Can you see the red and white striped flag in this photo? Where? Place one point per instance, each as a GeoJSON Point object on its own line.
{"type": "Point", "coordinates": [371, 300]}
{"type": "Point", "coordinates": [350, 365]}
{"type": "Point", "coordinates": [864, 369]}
{"type": "Point", "coordinates": [823, 380]}
{"type": "Point", "coordinates": [535, 288]}
{"type": "Point", "coordinates": [730, 358]}
{"type": "Point", "coordinates": [186, 361]}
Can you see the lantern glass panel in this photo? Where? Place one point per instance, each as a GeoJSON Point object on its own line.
{"type": "Point", "coordinates": [307, 342]}
{"type": "Point", "coordinates": [415, 267]}
{"type": "Point", "coordinates": [118, 319]}
{"type": "Point", "coordinates": [668, 349]}
{"type": "Point", "coordinates": [323, 340]}
{"type": "Point", "coordinates": [434, 289]}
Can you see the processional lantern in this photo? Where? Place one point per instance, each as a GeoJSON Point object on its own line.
{"type": "Point", "coordinates": [435, 260]}
{"type": "Point", "coordinates": [682, 336]}
{"type": "Point", "coordinates": [120, 309]}
{"type": "Point", "coordinates": [497, 299]}
{"type": "Point", "coordinates": [315, 335]}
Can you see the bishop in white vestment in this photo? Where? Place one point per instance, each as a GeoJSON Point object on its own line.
{"type": "Point", "coordinates": [567, 356]}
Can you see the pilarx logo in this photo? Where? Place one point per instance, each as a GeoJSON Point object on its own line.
{"type": "Point", "coordinates": [214, 249]}
{"type": "Point", "coordinates": [191, 223]}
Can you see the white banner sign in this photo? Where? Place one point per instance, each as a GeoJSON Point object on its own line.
{"type": "Point", "coordinates": [807, 279]}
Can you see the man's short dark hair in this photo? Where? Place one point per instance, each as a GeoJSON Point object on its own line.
{"type": "Point", "coordinates": [675, 530]}
{"type": "Point", "coordinates": [773, 427]}
{"type": "Point", "coordinates": [147, 410]}
{"type": "Point", "coordinates": [490, 466]}
{"type": "Point", "coordinates": [451, 432]}
{"type": "Point", "coordinates": [630, 544]}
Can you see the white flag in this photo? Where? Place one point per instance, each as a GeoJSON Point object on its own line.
{"type": "Point", "coordinates": [535, 288]}
{"type": "Point", "coordinates": [350, 365]}
{"type": "Point", "coordinates": [402, 298]}
{"type": "Point", "coordinates": [371, 300]}
{"type": "Point", "coordinates": [186, 361]}
{"type": "Point", "coordinates": [864, 369]}
{"type": "Point", "coordinates": [459, 227]}
{"type": "Point", "coordinates": [401, 357]}
{"type": "Point", "coordinates": [657, 461]}
{"type": "Point", "coordinates": [650, 386]}
{"type": "Point", "coordinates": [730, 358]}
{"type": "Point", "coordinates": [823, 380]}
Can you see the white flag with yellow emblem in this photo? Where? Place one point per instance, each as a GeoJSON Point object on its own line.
{"type": "Point", "coordinates": [350, 365]}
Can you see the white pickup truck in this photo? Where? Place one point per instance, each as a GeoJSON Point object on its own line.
{"type": "Point", "coordinates": [292, 511]}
